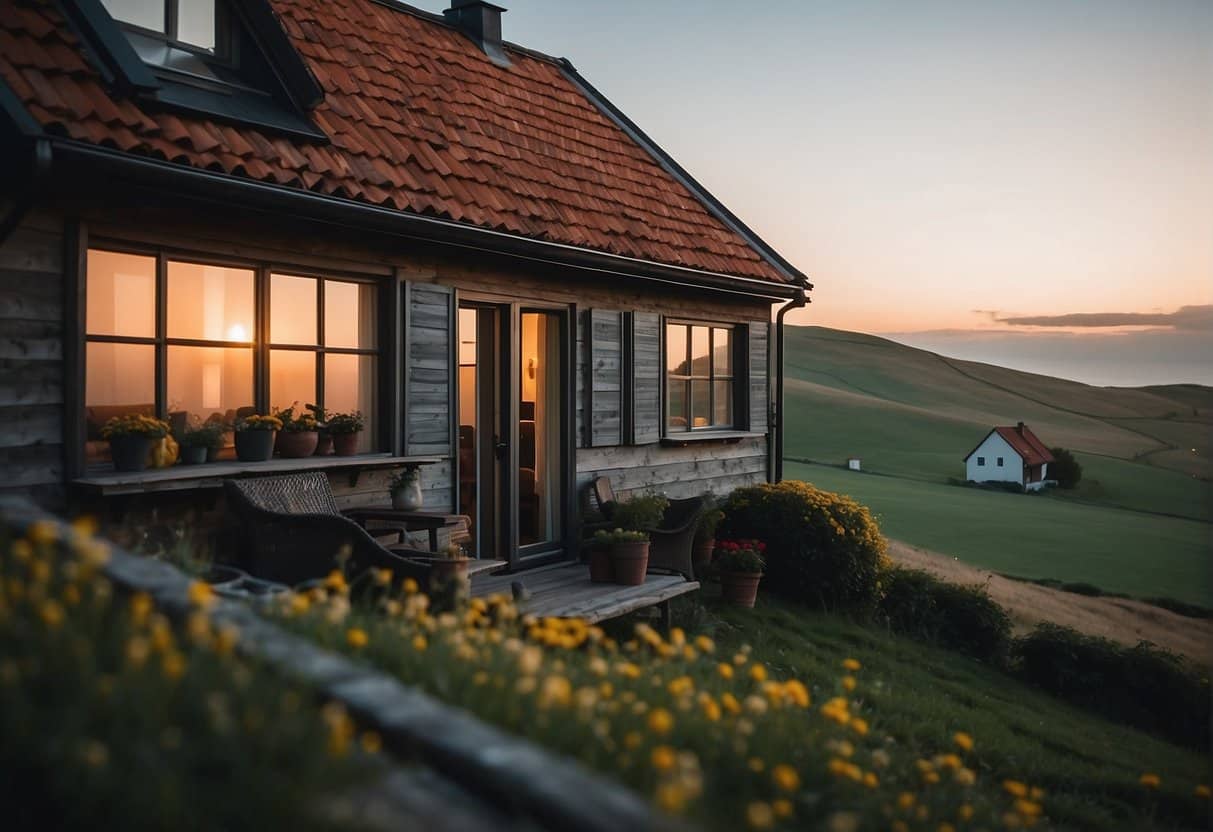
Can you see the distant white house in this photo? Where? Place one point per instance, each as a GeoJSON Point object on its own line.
{"type": "Point", "coordinates": [853, 462]}
{"type": "Point", "coordinates": [1010, 454]}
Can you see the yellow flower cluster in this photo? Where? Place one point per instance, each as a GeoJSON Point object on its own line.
{"type": "Point", "coordinates": [134, 424]}
{"type": "Point", "coordinates": [257, 421]}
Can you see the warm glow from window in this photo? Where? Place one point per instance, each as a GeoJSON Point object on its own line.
{"type": "Point", "coordinates": [236, 332]}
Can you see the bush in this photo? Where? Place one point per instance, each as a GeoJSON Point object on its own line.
{"type": "Point", "coordinates": [641, 512]}
{"type": "Point", "coordinates": [1064, 468]}
{"type": "Point", "coordinates": [822, 549]}
{"type": "Point", "coordinates": [1143, 686]}
{"type": "Point", "coordinates": [962, 618]}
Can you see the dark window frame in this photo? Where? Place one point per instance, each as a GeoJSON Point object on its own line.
{"type": "Point", "coordinates": [999, 461]}
{"type": "Point", "coordinates": [258, 344]}
{"type": "Point", "coordinates": [981, 462]}
{"type": "Point", "coordinates": [737, 355]}
{"type": "Point", "coordinates": [224, 40]}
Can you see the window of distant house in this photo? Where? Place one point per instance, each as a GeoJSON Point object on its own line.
{"type": "Point", "coordinates": [981, 460]}
{"type": "Point", "coordinates": [189, 341]}
{"type": "Point", "coordinates": [699, 376]}
{"type": "Point", "coordinates": [1000, 462]}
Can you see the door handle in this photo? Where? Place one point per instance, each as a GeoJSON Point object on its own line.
{"type": "Point", "coordinates": [499, 447]}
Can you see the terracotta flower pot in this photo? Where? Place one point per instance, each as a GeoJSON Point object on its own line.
{"type": "Point", "coordinates": [297, 444]}
{"type": "Point", "coordinates": [346, 444]}
{"type": "Point", "coordinates": [130, 452]}
{"type": "Point", "coordinates": [739, 588]}
{"type": "Point", "coordinates": [630, 561]}
{"type": "Point", "coordinates": [324, 444]}
{"type": "Point", "coordinates": [602, 571]}
{"type": "Point", "coordinates": [701, 554]}
{"type": "Point", "coordinates": [254, 445]}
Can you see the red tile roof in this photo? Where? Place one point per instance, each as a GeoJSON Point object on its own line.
{"type": "Point", "coordinates": [1025, 443]}
{"type": "Point", "coordinates": [420, 120]}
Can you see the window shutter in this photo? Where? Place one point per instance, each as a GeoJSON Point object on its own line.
{"type": "Point", "coordinates": [429, 366]}
{"type": "Point", "coordinates": [605, 351]}
{"type": "Point", "coordinates": [646, 377]}
{"type": "Point", "coordinates": [759, 374]}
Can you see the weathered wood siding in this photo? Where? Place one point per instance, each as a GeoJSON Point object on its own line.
{"type": "Point", "coordinates": [606, 377]}
{"type": "Point", "coordinates": [31, 360]}
{"type": "Point", "coordinates": [646, 377]}
{"type": "Point", "coordinates": [676, 472]}
{"type": "Point", "coordinates": [582, 360]}
{"type": "Point", "coordinates": [428, 393]}
{"type": "Point", "coordinates": [759, 372]}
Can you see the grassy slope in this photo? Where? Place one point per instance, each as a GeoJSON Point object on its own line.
{"type": "Point", "coordinates": [1119, 551]}
{"type": "Point", "coordinates": [921, 695]}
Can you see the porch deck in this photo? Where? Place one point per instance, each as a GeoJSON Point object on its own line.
{"type": "Point", "coordinates": [566, 591]}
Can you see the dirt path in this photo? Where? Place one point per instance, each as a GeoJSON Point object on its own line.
{"type": "Point", "coordinates": [1127, 622]}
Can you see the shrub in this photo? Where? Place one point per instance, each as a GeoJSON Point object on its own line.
{"type": "Point", "coordinates": [1064, 468]}
{"type": "Point", "coordinates": [643, 511]}
{"type": "Point", "coordinates": [1181, 607]}
{"type": "Point", "coordinates": [1143, 686]}
{"type": "Point", "coordinates": [823, 549]}
{"type": "Point", "coordinates": [962, 618]}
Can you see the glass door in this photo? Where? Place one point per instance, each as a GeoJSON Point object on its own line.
{"type": "Point", "coordinates": [540, 431]}
{"type": "Point", "coordinates": [480, 443]}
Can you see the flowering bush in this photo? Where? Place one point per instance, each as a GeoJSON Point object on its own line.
{"type": "Point", "coordinates": [338, 423]}
{"type": "Point", "coordinates": [111, 714]}
{"type": "Point", "coordinates": [714, 735]}
{"type": "Point", "coordinates": [602, 537]}
{"type": "Point", "coordinates": [303, 423]}
{"type": "Point", "coordinates": [259, 422]}
{"type": "Point", "coordinates": [825, 549]}
{"type": "Point", "coordinates": [740, 555]}
{"type": "Point", "coordinates": [134, 424]}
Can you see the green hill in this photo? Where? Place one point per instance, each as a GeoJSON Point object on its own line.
{"type": "Point", "coordinates": [912, 415]}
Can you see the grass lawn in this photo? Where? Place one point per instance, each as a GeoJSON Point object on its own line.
{"type": "Point", "coordinates": [1036, 537]}
{"type": "Point", "coordinates": [920, 695]}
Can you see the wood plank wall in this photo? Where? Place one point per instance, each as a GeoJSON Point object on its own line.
{"type": "Point", "coordinates": [31, 360]}
{"type": "Point", "coordinates": [676, 472]}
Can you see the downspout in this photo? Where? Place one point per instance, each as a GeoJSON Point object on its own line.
{"type": "Point", "coordinates": [40, 164]}
{"type": "Point", "coordinates": [799, 302]}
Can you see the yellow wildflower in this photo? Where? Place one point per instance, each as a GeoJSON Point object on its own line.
{"type": "Point", "coordinates": [383, 577]}
{"type": "Point", "coordinates": [1202, 791]}
{"type": "Point", "coordinates": [1015, 788]}
{"type": "Point", "coordinates": [963, 741]}
{"type": "Point", "coordinates": [851, 665]}
{"type": "Point", "coordinates": [757, 672]}
{"type": "Point", "coordinates": [843, 822]}
{"type": "Point", "coordinates": [172, 665]}
{"type": "Point", "coordinates": [848, 683]}
{"type": "Point", "coordinates": [201, 594]}
{"type": "Point", "coordinates": [760, 815]}
{"type": "Point", "coordinates": [556, 690]}
{"type": "Point", "coordinates": [226, 639]}
{"type": "Point", "coordinates": [705, 644]}
{"type": "Point", "coordinates": [905, 801]}
{"type": "Point", "coordinates": [371, 742]}
{"type": "Point", "coordinates": [357, 638]}
{"type": "Point", "coordinates": [785, 777]}
{"type": "Point", "coordinates": [51, 614]}
{"type": "Point", "coordinates": [859, 726]}
{"type": "Point", "coordinates": [965, 812]}
{"type": "Point", "coordinates": [42, 532]}
{"type": "Point", "coordinates": [663, 758]}
{"type": "Point", "coordinates": [756, 765]}
{"type": "Point", "coordinates": [782, 808]}
{"type": "Point", "coordinates": [419, 643]}
{"type": "Point", "coordinates": [729, 702]}
{"type": "Point", "coordinates": [671, 796]}
{"type": "Point", "coordinates": [1027, 808]}
{"type": "Point", "coordinates": [965, 776]}
{"type": "Point", "coordinates": [141, 607]}
{"type": "Point", "coordinates": [870, 779]}
{"type": "Point", "coordinates": [660, 721]}
{"type": "Point", "coordinates": [1150, 781]}
{"type": "Point", "coordinates": [725, 670]}
{"type": "Point", "coordinates": [336, 581]}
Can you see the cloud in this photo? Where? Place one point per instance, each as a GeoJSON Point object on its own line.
{"type": "Point", "coordinates": [1189, 318]}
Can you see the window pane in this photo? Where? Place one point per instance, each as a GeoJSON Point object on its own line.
{"type": "Point", "coordinates": [196, 23]}
{"type": "Point", "coordinates": [349, 384]}
{"type": "Point", "coordinates": [722, 351]}
{"type": "Point", "coordinates": [700, 351]}
{"type": "Point", "coordinates": [292, 378]}
{"type": "Point", "coordinates": [701, 407]}
{"type": "Point", "coordinates": [119, 379]}
{"type": "Point", "coordinates": [349, 314]}
{"type": "Point", "coordinates": [146, 13]}
{"type": "Point", "coordinates": [722, 408]}
{"type": "Point", "coordinates": [676, 411]}
{"type": "Point", "coordinates": [209, 303]}
{"type": "Point", "coordinates": [676, 349]}
{"type": "Point", "coordinates": [121, 294]}
{"type": "Point", "coordinates": [292, 310]}
{"type": "Point", "coordinates": [209, 384]}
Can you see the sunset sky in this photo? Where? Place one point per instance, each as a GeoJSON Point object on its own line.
{"type": "Point", "coordinates": [947, 167]}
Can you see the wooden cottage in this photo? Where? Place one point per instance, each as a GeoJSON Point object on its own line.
{"type": "Point", "coordinates": [214, 208]}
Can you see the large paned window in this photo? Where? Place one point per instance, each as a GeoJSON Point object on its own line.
{"type": "Point", "coordinates": [699, 376]}
{"type": "Point", "coordinates": [197, 342]}
{"type": "Point", "coordinates": [197, 24]}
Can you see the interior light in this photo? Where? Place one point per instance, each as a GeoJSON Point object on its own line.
{"type": "Point", "coordinates": [237, 332]}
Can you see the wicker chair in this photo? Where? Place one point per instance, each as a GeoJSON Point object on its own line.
{"type": "Point", "coordinates": [294, 531]}
{"type": "Point", "coordinates": [671, 543]}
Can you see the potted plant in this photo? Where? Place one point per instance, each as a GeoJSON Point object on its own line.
{"type": "Point", "coordinates": [705, 536]}
{"type": "Point", "coordinates": [640, 512]}
{"type": "Point", "coordinates": [255, 437]}
{"type": "Point", "coordinates": [299, 435]}
{"type": "Point", "coordinates": [324, 439]}
{"type": "Point", "coordinates": [602, 571]}
{"type": "Point", "coordinates": [740, 564]}
{"type": "Point", "coordinates": [200, 444]}
{"type": "Point", "coordinates": [345, 428]}
{"type": "Point", "coordinates": [629, 554]}
{"type": "Point", "coordinates": [405, 488]}
{"type": "Point", "coordinates": [131, 438]}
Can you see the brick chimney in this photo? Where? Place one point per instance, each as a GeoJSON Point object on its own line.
{"type": "Point", "coordinates": [481, 22]}
{"type": "Point", "coordinates": [1019, 428]}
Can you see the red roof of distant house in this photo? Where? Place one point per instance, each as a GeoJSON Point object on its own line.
{"type": "Point", "coordinates": [1022, 441]}
{"type": "Point", "coordinates": [421, 121]}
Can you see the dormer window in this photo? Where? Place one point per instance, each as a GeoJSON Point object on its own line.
{"type": "Point", "coordinates": [191, 24]}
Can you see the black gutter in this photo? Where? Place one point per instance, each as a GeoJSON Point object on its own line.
{"type": "Point", "coordinates": [798, 302]}
{"type": "Point", "coordinates": [279, 199]}
{"type": "Point", "coordinates": [667, 163]}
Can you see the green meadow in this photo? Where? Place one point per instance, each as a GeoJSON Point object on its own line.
{"type": "Point", "coordinates": [1140, 522]}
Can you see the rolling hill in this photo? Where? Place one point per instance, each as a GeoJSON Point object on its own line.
{"type": "Point", "coordinates": [1144, 507]}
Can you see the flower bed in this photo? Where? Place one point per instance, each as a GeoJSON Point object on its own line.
{"type": "Point", "coordinates": [109, 712]}
{"type": "Point", "coordinates": [715, 737]}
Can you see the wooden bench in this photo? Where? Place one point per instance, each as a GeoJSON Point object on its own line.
{"type": "Point", "coordinates": [566, 591]}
